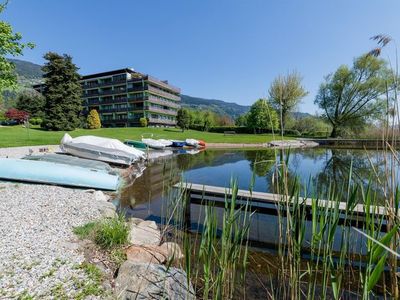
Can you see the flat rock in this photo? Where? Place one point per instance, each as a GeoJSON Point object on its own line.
{"type": "Point", "coordinates": [135, 221]}
{"type": "Point", "coordinates": [150, 224]}
{"type": "Point", "coordinates": [100, 196]}
{"type": "Point", "coordinates": [140, 235]}
{"type": "Point", "coordinates": [151, 281]}
{"type": "Point", "coordinates": [172, 250]}
{"type": "Point", "coordinates": [146, 254]}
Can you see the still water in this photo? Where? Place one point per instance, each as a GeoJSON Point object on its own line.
{"type": "Point", "coordinates": [316, 169]}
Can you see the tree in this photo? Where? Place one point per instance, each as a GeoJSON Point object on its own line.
{"type": "Point", "coordinates": [242, 120]}
{"type": "Point", "coordinates": [285, 94]}
{"type": "Point", "coordinates": [93, 120]}
{"type": "Point", "coordinates": [143, 122]}
{"type": "Point", "coordinates": [32, 102]}
{"type": "Point", "coordinates": [351, 96]}
{"type": "Point", "coordinates": [62, 92]}
{"type": "Point", "coordinates": [17, 115]}
{"type": "Point", "coordinates": [208, 120]}
{"type": "Point", "coordinates": [10, 44]}
{"type": "Point", "coordinates": [183, 119]}
{"type": "Point", "coordinates": [262, 116]}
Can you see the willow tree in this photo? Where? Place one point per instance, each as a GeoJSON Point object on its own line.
{"type": "Point", "coordinates": [351, 97]}
{"type": "Point", "coordinates": [10, 44]}
{"type": "Point", "coordinates": [285, 94]}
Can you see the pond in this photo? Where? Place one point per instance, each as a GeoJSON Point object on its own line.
{"type": "Point", "coordinates": [316, 169]}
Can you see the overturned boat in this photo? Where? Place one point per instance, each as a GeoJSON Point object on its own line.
{"type": "Point", "coordinates": [154, 144]}
{"type": "Point", "coordinates": [56, 174]}
{"type": "Point", "coordinates": [70, 160]}
{"type": "Point", "coordinates": [104, 149]}
{"type": "Point", "coordinates": [136, 144]}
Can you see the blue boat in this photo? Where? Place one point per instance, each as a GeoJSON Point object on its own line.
{"type": "Point", "coordinates": [56, 174]}
{"type": "Point", "coordinates": [178, 144]}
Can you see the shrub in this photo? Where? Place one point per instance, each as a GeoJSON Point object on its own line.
{"type": "Point", "coordinates": [93, 120]}
{"type": "Point", "coordinates": [143, 122]}
{"type": "Point", "coordinates": [35, 121]}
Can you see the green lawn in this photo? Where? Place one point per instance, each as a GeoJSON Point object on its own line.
{"type": "Point", "coordinates": [12, 136]}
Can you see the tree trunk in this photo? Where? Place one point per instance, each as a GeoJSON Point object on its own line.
{"type": "Point", "coordinates": [334, 132]}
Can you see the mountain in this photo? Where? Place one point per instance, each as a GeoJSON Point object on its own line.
{"type": "Point", "coordinates": [28, 73]}
{"type": "Point", "coordinates": [221, 107]}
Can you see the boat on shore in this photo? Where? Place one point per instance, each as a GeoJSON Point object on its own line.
{"type": "Point", "coordinates": [178, 144]}
{"type": "Point", "coordinates": [136, 144]}
{"type": "Point", "coordinates": [44, 172]}
{"type": "Point", "coordinates": [103, 149]}
{"type": "Point", "coordinates": [195, 143]}
{"type": "Point", "coordinates": [70, 160]}
{"type": "Point", "coordinates": [154, 144]}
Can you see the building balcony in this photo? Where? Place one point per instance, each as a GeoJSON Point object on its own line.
{"type": "Point", "coordinates": [163, 84]}
{"type": "Point", "coordinates": [162, 93]}
{"type": "Point", "coordinates": [156, 100]}
{"type": "Point", "coordinates": [161, 121]}
{"type": "Point", "coordinates": [101, 84]}
{"type": "Point", "coordinates": [161, 110]}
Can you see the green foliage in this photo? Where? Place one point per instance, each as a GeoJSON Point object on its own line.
{"type": "Point", "coordinates": [62, 91]}
{"type": "Point", "coordinates": [309, 126]}
{"type": "Point", "coordinates": [286, 93]}
{"type": "Point", "coordinates": [143, 122]}
{"type": "Point", "coordinates": [262, 116]}
{"type": "Point", "coordinates": [242, 120]}
{"type": "Point", "coordinates": [35, 121]}
{"type": "Point", "coordinates": [350, 97]}
{"type": "Point", "coordinates": [32, 102]}
{"type": "Point", "coordinates": [183, 119]}
{"type": "Point", "coordinates": [10, 44]}
{"type": "Point", "coordinates": [93, 120]}
{"type": "Point", "coordinates": [106, 233]}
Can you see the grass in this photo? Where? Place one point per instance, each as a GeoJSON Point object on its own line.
{"type": "Point", "coordinates": [14, 136]}
{"type": "Point", "coordinates": [107, 233]}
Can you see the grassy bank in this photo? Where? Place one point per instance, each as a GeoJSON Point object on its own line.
{"type": "Point", "coordinates": [14, 136]}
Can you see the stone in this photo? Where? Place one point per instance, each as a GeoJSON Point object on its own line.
{"type": "Point", "coordinates": [151, 281]}
{"type": "Point", "coordinates": [140, 235]}
{"type": "Point", "coordinates": [134, 221]}
{"type": "Point", "coordinates": [146, 254]}
{"type": "Point", "coordinates": [108, 213]}
{"type": "Point", "coordinates": [150, 224]}
{"type": "Point", "coordinates": [172, 250]}
{"type": "Point", "coordinates": [100, 196]}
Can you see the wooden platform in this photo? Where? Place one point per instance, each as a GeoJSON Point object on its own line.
{"type": "Point", "coordinates": [265, 201]}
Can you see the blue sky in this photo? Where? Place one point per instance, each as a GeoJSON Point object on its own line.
{"type": "Point", "coordinates": [221, 49]}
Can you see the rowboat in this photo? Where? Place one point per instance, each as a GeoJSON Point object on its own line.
{"type": "Point", "coordinates": [70, 160]}
{"type": "Point", "coordinates": [166, 143]}
{"type": "Point", "coordinates": [56, 174]}
{"type": "Point", "coordinates": [154, 144]}
{"type": "Point", "coordinates": [136, 144]}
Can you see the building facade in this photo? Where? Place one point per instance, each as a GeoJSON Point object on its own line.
{"type": "Point", "coordinates": [122, 97]}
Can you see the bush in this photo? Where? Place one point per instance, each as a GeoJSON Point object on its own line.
{"type": "Point", "coordinates": [106, 233]}
{"type": "Point", "coordinates": [93, 120]}
{"type": "Point", "coordinates": [143, 122]}
{"type": "Point", "coordinates": [35, 121]}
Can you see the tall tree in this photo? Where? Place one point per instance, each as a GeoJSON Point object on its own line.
{"type": "Point", "coordinates": [183, 119]}
{"type": "Point", "coordinates": [32, 102]}
{"type": "Point", "coordinates": [63, 93]}
{"type": "Point", "coordinates": [10, 44]}
{"type": "Point", "coordinates": [262, 116]}
{"type": "Point", "coordinates": [285, 94]}
{"type": "Point", "coordinates": [351, 96]}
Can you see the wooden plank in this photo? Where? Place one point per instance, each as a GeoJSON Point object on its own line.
{"type": "Point", "coordinates": [258, 198]}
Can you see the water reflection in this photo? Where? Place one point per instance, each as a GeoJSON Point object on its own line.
{"type": "Point", "coordinates": [317, 169]}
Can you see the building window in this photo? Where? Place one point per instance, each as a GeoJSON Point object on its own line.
{"type": "Point", "coordinates": [119, 77]}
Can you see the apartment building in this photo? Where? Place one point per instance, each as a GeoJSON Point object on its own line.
{"type": "Point", "coordinates": [123, 96]}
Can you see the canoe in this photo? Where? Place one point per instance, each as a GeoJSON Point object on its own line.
{"type": "Point", "coordinates": [154, 144]}
{"type": "Point", "coordinates": [192, 142]}
{"type": "Point", "coordinates": [56, 174]}
{"type": "Point", "coordinates": [178, 144]}
{"type": "Point", "coordinates": [136, 144]}
{"type": "Point", "coordinates": [112, 156]}
{"type": "Point", "coordinates": [73, 161]}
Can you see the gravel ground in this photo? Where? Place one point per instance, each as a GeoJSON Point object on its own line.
{"type": "Point", "coordinates": [39, 254]}
{"type": "Point", "coordinates": [18, 152]}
